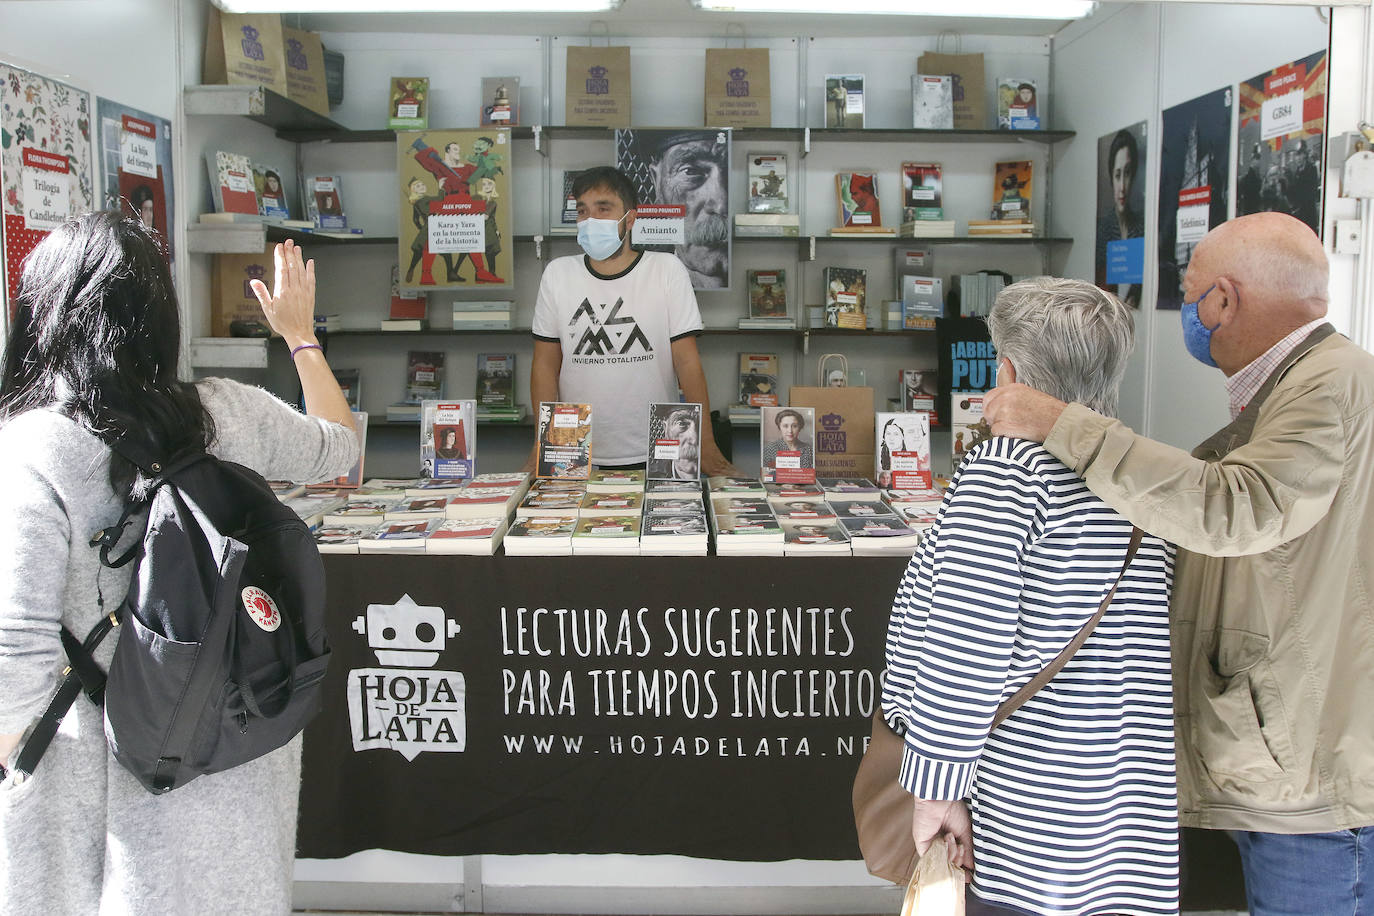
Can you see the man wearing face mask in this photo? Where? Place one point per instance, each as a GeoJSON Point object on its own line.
{"type": "Point", "coordinates": [616, 328]}
{"type": "Point", "coordinates": [1272, 613]}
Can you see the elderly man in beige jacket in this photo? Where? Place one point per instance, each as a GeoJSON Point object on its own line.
{"type": "Point", "coordinates": [1272, 614]}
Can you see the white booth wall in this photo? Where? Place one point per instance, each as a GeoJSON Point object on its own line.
{"type": "Point", "coordinates": [1126, 64]}
{"type": "Point", "coordinates": [1122, 65]}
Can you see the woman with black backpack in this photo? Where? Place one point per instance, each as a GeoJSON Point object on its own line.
{"type": "Point", "coordinates": [93, 352]}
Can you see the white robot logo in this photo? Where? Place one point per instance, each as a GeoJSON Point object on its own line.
{"type": "Point", "coordinates": [399, 707]}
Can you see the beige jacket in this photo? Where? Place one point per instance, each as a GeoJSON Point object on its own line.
{"type": "Point", "coordinates": [1272, 614]}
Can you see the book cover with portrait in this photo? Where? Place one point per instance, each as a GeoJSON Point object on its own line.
{"type": "Point", "coordinates": [682, 179]}
{"type": "Point", "coordinates": [324, 202]}
{"type": "Point", "coordinates": [674, 442]}
{"type": "Point", "coordinates": [267, 181]}
{"type": "Point", "coordinates": [903, 457]}
{"type": "Point", "coordinates": [856, 194]}
{"type": "Point", "coordinates": [1018, 106]}
{"type": "Point", "coordinates": [565, 441]}
{"type": "Point", "coordinates": [787, 446]}
{"type": "Point", "coordinates": [448, 439]}
{"type": "Point", "coordinates": [844, 100]}
{"type": "Point", "coordinates": [136, 166]}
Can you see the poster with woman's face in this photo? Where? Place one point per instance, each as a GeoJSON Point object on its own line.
{"type": "Point", "coordinates": [1119, 253]}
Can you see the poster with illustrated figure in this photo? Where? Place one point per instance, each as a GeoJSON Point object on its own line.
{"type": "Point", "coordinates": [45, 163]}
{"type": "Point", "coordinates": [1282, 132]}
{"type": "Point", "coordinates": [1194, 184]}
{"type": "Point", "coordinates": [455, 215]}
{"type": "Point", "coordinates": [136, 166]}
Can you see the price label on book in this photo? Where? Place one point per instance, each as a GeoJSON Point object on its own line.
{"type": "Point", "coordinates": [138, 147]}
{"type": "Point", "coordinates": [906, 461]}
{"type": "Point", "coordinates": [1281, 115]}
{"type": "Point", "coordinates": [47, 189]}
{"type": "Point", "coordinates": [854, 101]}
{"type": "Point", "coordinates": [565, 418]}
{"type": "Point", "coordinates": [457, 233]}
{"type": "Point", "coordinates": [788, 460]}
{"type": "Point", "coordinates": [1194, 214]}
{"type": "Point", "coordinates": [667, 449]}
{"type": "Point", "coordinates": [607, 529]}
{"type": "Point", "coordinates": [660, 224]}
{"type": "Point", "coordinates": [612, 503]}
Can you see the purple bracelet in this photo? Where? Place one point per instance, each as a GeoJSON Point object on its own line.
{"type": "Point", "coordinates": [306, 347]}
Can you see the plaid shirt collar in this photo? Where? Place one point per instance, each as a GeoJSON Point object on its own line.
{"type": "Point", "coordinates": [1241, 387]}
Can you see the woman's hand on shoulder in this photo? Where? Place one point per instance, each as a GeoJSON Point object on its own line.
{"type": "Point", "coordinates": [290, 306]}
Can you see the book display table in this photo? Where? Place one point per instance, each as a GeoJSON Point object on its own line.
{"type": "Point", "coordinates": [713, 707]}
{"type": "Point", "coordinates": [703, 706]}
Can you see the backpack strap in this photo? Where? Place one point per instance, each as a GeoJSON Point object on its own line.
{"type": "Point", "coordinates": [83, 674]}
{"type": "Point", "coordinates": [107, 538]}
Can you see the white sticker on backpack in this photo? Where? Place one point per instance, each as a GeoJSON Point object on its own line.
{"type": "Point", "coordinates": [261, 608]}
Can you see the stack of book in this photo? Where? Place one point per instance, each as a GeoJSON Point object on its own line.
{"type": "Point", "coordinates": [512, 415]}
{"type": "Point", "coordinates": [540, 536]}
{"type": "Point", "coordinates": [674, 522]}
{"type": "Point", "coordinates": [743, 415]}
{"type": "Point", "coordinates": [927, 229]}
{"type": "Point", "coordinates": [1001, 228]}
{"type": "Point", "coordinates": [468, 536]}
{"type": "Point", "coordinates": [878, 232]}
{"type": "Point", "coordinates": [767, 225]}
{"type": "Point", "coordinates": [482, 316]}
{"type": "Point", "coordinates": [742, 520]}
{"type": "Point", "coordinates": [607, 535]}
{"type": "Point", "coordinates": [772, 324]}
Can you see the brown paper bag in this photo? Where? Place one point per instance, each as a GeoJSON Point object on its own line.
{"type": "Point", "coordinates": [966, 73]}
{"type": "Point", "coordinates": [244, 50]}
{"type": "Point", "coordinates": [598, 86]}
{"type": "Point", "coordinates": [737, 88]}
{"type": "Point", "coordinates": [937, 887]}
{"type": "Point", "coordinates": [305, 82]}
{"type": "Point", "coordinates": [232, 298]}
{"type": "Point", "coordinates": [844, 429]}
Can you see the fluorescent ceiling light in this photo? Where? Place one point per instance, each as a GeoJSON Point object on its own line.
{"type": "Point", "coordinates": [485, 7]}
{"type": "Point", "coordinates": [1007, 9]}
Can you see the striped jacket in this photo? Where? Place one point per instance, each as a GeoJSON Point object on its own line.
{"type": "Point", "coordinates": [1073, 797]}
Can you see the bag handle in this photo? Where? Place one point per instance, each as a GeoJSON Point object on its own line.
{"type": "Point", "coordinates": [956, 39]}
{"type": "Point", "coordinates": [1013, 703]}
{"type": "Point", "coordinates": [820, 367]}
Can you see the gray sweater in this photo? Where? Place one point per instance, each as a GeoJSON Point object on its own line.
{"type": "Point", "coordinates": [82, 836]}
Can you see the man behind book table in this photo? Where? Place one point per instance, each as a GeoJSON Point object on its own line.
{"type": "Point", "coordinates": [616, 328]}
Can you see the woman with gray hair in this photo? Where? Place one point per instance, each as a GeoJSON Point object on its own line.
{"type": "Point", "coordinates": [1069, 805]}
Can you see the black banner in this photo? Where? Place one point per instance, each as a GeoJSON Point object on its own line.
{"type": "Point", "coordinates": [713, 707]}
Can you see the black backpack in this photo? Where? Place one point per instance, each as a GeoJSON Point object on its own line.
{"type": "Point", "coordinates": [225, 652]}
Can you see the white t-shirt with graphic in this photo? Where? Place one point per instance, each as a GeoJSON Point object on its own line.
{"type": "Point", "coordinates": [617, 333]}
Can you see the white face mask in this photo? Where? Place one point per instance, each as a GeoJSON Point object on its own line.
{"type": "Point", "coordinates": [600, 238]}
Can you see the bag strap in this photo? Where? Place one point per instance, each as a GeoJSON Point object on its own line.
{"type": "Point", "coordinates": [107, 538]}
{"type": "Point", "coordinates": [83, 674]}
{"type": "Point", "coordinates": [1012, 703]}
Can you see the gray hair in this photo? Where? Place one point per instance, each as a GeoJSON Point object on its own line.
{"type": "Point", "coordinates": [1066, 338]}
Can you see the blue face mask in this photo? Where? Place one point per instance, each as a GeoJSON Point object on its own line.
{"type": "Point", "coordinates": [1197, 337]}
{"type": "Point", "coordinates": [600, 238]}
